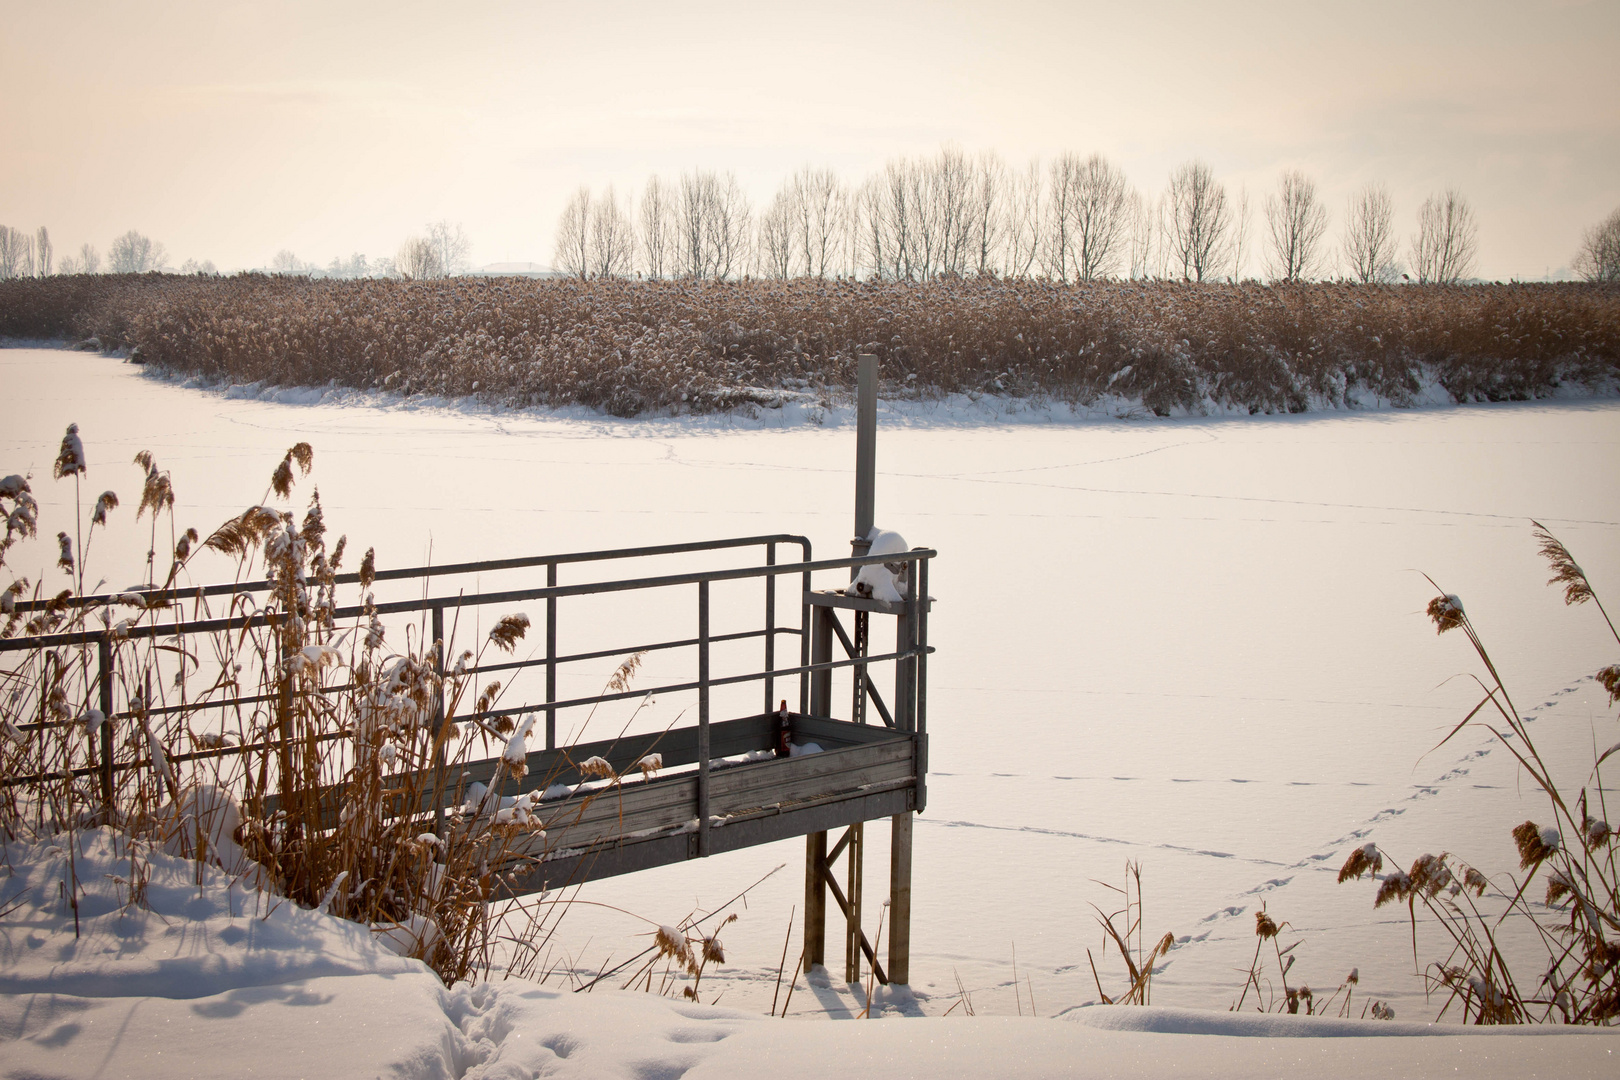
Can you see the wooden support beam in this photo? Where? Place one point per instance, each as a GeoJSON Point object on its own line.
{"type": "Point", "coordinates": [815, 900]}
{"type": "Point", "coordinates": [900, 899]}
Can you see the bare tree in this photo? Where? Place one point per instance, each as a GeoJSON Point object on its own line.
{"type": "Point", "coordinates": [1599, 256]}
{"type": "Point", "coordinates": [452, 245]}
{"type": "Point", "coordinates": [657, 228]}
{"type": "Point", "coordinates": [987, 210]}
{"type": "Point", "coordinates": [1295, 223]}
{"type": "Point", "coordinates": [1241, 221]}
{"type": "Point", "coordinates": [14, 252]}
{"type": "Point", "coordinates": [697, 198]}
{"type": "Point", "coordinates": [713, 225]}
{"type": "Point", "coordinates": [950, 189]}
{"type": "Point", "coordinates": [1369, 235]}
{"type": "Point", "coordinates": [895, 247]}
{"type": "Point", "coordinates": [1062, 192]}
{"type": "Point", "coordinates": [815, 199]}
{"type": "Point", "coordinates": [776, 229]}
{"type": "Point", "coordinates": [1101, 218]}
{"type": "Point", "coordinates": [1443, 248]}
{"type": "Point", "coordinates": [1144, 224]}
{"type": "Point", "coordinates": [133, 253]}
{"type": "Point", "coordinates": [927, 233]}
{"type": "Point", "coordinates": [89, 259]}
{"type": "Point", "coordinates": [355, 266]}
{"type": "Point", "coordinates": [611, 245]}
{"type": "Point", "coordinates": [284, 262]}
{"type": "Point", "coordinates": [572, 253]}
{"type": "Point", "coordinates": [42, 252]}
{"type": "Point", "coordinates": [418, 260]}
{"type": "Point", "coordinates": [1024, 220]}
{"type": "Point", "coordinates": [731, 223]}
{"type": "Point", "coordinates": [1198, 222]}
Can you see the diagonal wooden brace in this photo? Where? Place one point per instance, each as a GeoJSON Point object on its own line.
{"type": "Point", "coordinates": [866, 677]}
{"type": "Point", "coordinates": [843, 905]}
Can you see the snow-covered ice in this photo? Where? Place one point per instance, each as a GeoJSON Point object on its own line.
{"type": "Point", "coordinates": [1198, 644]}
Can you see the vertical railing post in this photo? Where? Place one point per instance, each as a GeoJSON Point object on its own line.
{"type": "Point", "coordinates": [703, 719]}
{"type": "Point", "coordinates": [770, 628]}
{"type": "Point", "coordinates": [106, 687]}
{"type": "Point", "coordinates": [905, 643]}
{"type": "Point", "coordinates": [921, 715]}
{"type": "Point", "coordinates": [438, 721]}
{"type": "Point", "coordinates": [804, 634]}
{"type": "Point", "coordinates": [908, 681]}
{"type": "Point", "coordinates": [551, 657]}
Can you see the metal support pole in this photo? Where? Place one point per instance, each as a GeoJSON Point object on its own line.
{"type": "Point", "coordinates": [703, 720]}
{"type": "Point", "coordinates": [821, 653]}
{"type": "Point", "coordinates": [815, 901]}
{"type": "Point", "coordinates": [551, 657]}
{"type": "Point", "coordinates": [438, 722]}
{"type": "Point", "coordinates": [852, 917]}
{"type": "Point", "coordinates": [866, 380]}
{"type": "Point", "coordinates": [770, 628]}
{"type": "Point", "coordinates": [900, 900]}
{"type": "Point", "coordinates": [105, 679]}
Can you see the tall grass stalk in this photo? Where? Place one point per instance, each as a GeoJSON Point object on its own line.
{"type": "Point", "coordinates": [1571, 972]}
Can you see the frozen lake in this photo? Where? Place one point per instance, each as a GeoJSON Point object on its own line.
{"type": "Point", "coordinates": [1198, 644]}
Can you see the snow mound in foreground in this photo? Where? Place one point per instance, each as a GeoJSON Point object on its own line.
{"type": "Point", "coordinates": [178, 969]}
{"type": "Point", "coordinates": [151, 924]}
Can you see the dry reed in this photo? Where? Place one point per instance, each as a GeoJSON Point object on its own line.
{"type": "Point", "coordinates": [627, 347]}
{"type": "Point", "coordinates": [1571, 974]}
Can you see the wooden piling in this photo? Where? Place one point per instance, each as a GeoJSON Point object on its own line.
{"type": "Point", "coordinates": [815, 901]}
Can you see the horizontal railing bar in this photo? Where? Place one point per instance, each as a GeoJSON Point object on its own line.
{"type": "Point", "coordinates": [674, 688]}
{"type": "Point", "coordinates": [85, 637]}
{"type": "Point", "coordinates": [626, 695]}
{"type": "Point", "coordinates": [599, 654]}
{"type": "Point", "coordinates": [521, 562]}
{"type": "Point", "coordinates": [190, 755]}
{"type": "Point", "coordinates": [259, 699]}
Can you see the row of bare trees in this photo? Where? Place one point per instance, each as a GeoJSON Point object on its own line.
{"type": "Point", "coordinates": [25, 255]}
{"type": "Point", "coordinates": [444, 250]}
{"type": "Point", "coordinates": [952, 214]}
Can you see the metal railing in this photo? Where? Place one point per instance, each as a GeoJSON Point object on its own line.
{"type": "Point", "coordinates": [910, 653]}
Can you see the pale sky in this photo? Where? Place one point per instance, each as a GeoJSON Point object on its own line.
{"type": "Point", "coordinates": [230, 131]}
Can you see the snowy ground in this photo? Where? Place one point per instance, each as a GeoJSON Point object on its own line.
{"type": "Point", "coordinates": [200, 977]}
{"type": "Point", "coordinates": [1198, 644]}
